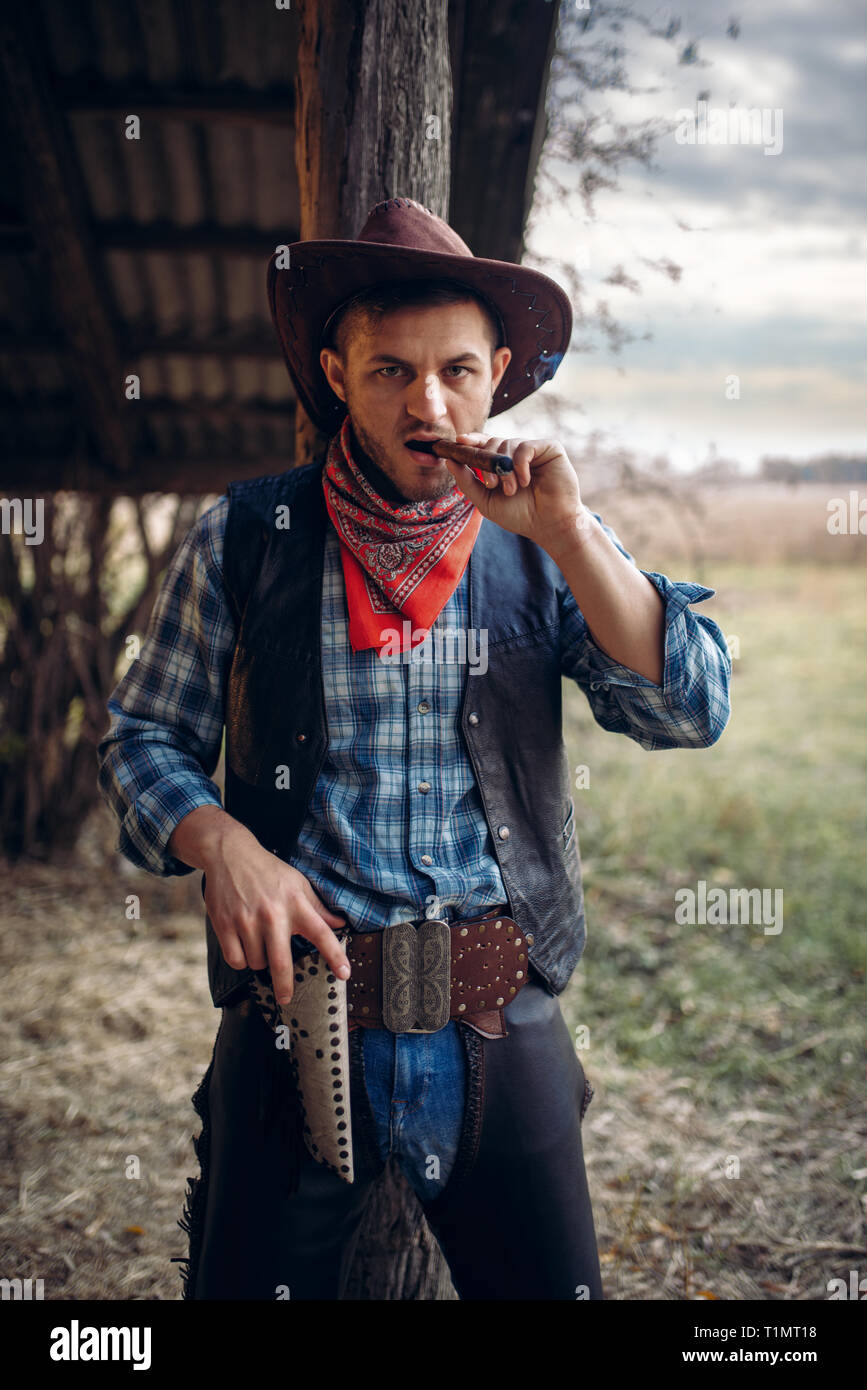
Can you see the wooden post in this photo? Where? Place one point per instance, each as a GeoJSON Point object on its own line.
{"type": "Point", "coordinates": [373, 107]}
{"type": "Point", "coordinates": [373, 121]}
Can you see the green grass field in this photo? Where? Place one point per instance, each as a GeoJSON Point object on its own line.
{"type": "Point", "coordinates": [709, 1046]}
{"type": "Point", "coordinates": [779, 802]}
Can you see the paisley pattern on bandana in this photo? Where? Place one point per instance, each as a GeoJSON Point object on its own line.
{"type": "Point", "coordinates": [400, 561]}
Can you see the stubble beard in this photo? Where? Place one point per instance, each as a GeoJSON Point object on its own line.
{"type": "Point", "coordinates": [374, 451]}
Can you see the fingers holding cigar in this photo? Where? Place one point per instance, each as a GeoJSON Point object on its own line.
{"type": "Point", "coordinates": [473, 457]}
{"type": "Point", "coordinates": [511, 452]}
{"type": "Point", "coordinates": [538, 498]}
{"type": "Point", "coordinates": [469, 455]}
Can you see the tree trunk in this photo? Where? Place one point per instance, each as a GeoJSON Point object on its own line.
{"type": "Point", "coordinates": [61, 633]}
{"type": "Point", "coordinates": [373, 106]}
{"type": "Point", "coordinates": [397, 1256]}
{"type": "Point", "coordinates": [373, 121]}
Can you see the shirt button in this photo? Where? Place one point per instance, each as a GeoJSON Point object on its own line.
{"type": "Point", "coordinates": [424, 787]}
{"type": "Point", "coordinates": [504, 832]}
{"type": "Point", "coordinates": [426, 859]}
{"type": "Point", "coordinates": [423, 707]}
{"type": "Point", "coordinates": [473, 718]}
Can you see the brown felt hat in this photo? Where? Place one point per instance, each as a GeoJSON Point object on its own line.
{"type": "Point", "coordinates": [401, 240]}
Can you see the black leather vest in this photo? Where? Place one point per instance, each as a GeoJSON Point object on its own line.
{"type": "Point", "coordinates": [510, 719]}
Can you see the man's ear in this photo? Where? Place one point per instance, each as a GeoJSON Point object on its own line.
{"type": "Point", "coordinates": [332, 366]}
{"type": "Point", "coordinates": [500, 361]}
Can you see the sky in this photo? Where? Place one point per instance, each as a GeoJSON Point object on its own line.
{"type": "Point", "coordinates": [773, 289]}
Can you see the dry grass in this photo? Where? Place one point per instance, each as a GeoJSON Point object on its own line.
{"type": "Point", "coordinates": [758, 523]}
{"type": "Point", "coordinates": [107, 1028]}
{"type": "Point", "coordinates": [672, 1224]}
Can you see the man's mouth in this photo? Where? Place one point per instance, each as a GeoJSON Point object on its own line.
{"type": "Point", "coordinates": [422, 448]}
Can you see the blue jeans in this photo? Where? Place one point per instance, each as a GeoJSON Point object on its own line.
{"type": "Point", "coordinates": [515, 1224]}
{"type": "Point", "coordinates": [417, 1085]}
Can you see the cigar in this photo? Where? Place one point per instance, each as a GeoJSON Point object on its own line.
{"type": "Point", "coordinates": [465, 454]}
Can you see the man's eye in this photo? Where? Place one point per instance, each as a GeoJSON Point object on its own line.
{"type": "Point", "coordinates": [455, 370]}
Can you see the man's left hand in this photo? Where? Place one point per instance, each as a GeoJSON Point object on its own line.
{"type": "Point", "coordinates": [540, 500]}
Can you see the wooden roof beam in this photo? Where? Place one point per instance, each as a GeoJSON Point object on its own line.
{"type": "Point", "coordinates": [220, 411]}
{"type": "Point", "coordinates": [204, 238]}
{"type": "Point", "coordinates": [231, 104]}
{"type": "Point", "coordinates": [260, 346]}
{"type": "Point", "coordinates": [502, 56]}
{"type": "Point", "coordinates": [39, 477]}
{"type": "Point", "coordinates": [55, 203]}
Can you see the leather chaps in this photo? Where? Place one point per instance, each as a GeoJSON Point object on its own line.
{"type": "Point", "coordinates": [514, 1220]}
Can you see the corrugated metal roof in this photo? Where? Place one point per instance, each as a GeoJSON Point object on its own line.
{"type": "Point", "coordinates": [183, 220]}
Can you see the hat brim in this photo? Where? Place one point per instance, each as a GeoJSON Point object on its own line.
{"type": "Point", "coordinates": [322, 275]}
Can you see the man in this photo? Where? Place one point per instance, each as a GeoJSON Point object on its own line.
{"type": "Point", "coordinates": [393, 888]}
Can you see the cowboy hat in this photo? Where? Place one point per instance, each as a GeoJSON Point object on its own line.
{"type": "Point", "coordinates": [403, 241]}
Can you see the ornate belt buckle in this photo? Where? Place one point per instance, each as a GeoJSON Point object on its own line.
{"type": "Point", "coordinates": [416, 976]}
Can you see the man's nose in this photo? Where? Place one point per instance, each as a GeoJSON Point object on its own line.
{"type": "Point", "coordinates": [425, 398]}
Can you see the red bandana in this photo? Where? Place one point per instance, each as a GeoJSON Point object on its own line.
{"type": "Point", "coordinates": [400, 561]}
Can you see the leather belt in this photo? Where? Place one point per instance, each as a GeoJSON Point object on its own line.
{"type": "Point", "coordinates": [414, 978]}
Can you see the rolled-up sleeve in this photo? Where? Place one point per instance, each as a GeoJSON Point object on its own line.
{"type": "Point", "coordinates": [691, 708]}
{"type": "Point", "coordinates": [158, 756]}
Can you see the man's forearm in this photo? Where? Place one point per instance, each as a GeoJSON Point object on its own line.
{"type": "Point", "coordinates": [204, 833]}
{"type": "Point", "coordinates": [623, 610]}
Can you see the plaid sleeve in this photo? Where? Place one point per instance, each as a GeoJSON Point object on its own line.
{"type": "Point", "coordinates": [163, 744]}
{"type": "Point", "coordinates": [691, 708]}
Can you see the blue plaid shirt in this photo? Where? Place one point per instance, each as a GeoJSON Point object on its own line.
{"type": "Point", "coordinates": [397, 787]}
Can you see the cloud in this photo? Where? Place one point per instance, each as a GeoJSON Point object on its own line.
{"type": "Point", "coordinates": [771, 248]}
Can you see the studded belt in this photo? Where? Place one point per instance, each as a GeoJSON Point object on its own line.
{"type": "Point", "coordinates": [409, 978]}
{"type": "Point", "coordinates": [414, 978]}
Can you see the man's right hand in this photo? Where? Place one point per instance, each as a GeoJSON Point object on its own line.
{"type": "Point", "coordinates": [256, 903]}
